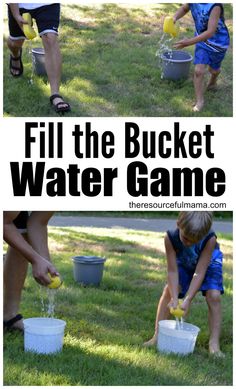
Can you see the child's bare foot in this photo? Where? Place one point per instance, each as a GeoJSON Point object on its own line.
{"type": "Point", "coordinates": [214, 350]}
{"type": "Point", "coordinates": [198, 106]}
{"type": "Point", "coordinates": [212, 86]}
{"type": "Point", "coordinates": [151, 342]}
{"type": "Point", "coordinates": [217, 354]}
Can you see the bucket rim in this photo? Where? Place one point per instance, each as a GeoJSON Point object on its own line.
{"type": "Point", "coordinates": [29, 322]}
{"type": "Point", "coordinates": [88, 259]}
{"type": "Point", "coordinates": [38, 50]}
{"type": "Point", "coordinates": [177, 60]}
{"type": "Point", "coordinates": [193, 326]}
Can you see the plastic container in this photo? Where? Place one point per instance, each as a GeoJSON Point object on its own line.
{"type": "Point", "coordinates": [43, 335]}
{"type": "Point", "coordinates": [176, 340]}
{"type": "Point", "coordinates": [88, 270]}
{"type": "Point", "coordinates": [169, 27]}
{"type": "Point", "coordinates": [38, 61]}
{"type": "Point", "coordinates": [176, 64]}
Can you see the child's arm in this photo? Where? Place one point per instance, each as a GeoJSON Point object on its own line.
{"type": "Point", "coordinates": [211, 29]}
{"type": "Point", "coordinates": [183, 10]}
{"type": "Point", "coordinates": [199, 274]}
{"type": "Point", "coordinates": [40, 265]}
{"type": "Point", "coordinates": [172, 269]}
{"type": "Point", "coordinates": [14, 7]}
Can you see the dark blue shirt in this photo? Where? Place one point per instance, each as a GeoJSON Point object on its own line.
{"type": "Point", "coordinates": [189, 256]}
{"type": "Point", "coordinates": [201, 12]}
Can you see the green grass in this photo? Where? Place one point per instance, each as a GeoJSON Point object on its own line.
{"type": "Point", "coordinates": [107, 325]}
{"type": "Point", "coordinates": [110, 67]}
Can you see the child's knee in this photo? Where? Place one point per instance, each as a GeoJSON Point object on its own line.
{"type": "Point", "coordinates": [49, 40]}
{"type": "Point", "coordinates": [213, 297]}
{"type": "Point", "coordinates": [199, 71]}
{"type": "Point", "coordinates": [14, 44]}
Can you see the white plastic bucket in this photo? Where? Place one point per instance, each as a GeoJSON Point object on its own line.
{"type": "Point", "coordinates": [176, 339]}
{"type": "Point", "coordinates": [43, 335]}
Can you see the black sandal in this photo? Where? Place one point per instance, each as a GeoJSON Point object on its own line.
{"type": "Point", "coordinates": [60, 107]}
{"type": "Point", "coordinates": [13, 67]}
{"type": "Point", "coordinates": [8, 324]}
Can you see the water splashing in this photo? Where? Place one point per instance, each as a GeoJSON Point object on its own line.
{"type": "Point", "coordinates": [164, 46]}
{"type": "Point", "coordinates": [31, 80]}
{"type": "Point", "coordinates": [48, 301]}
{"type": "Point", "coordinates": [51, 302]}
{"type": "Point", "coordinates": [179, 323]}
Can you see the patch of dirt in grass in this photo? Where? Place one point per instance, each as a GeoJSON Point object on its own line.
{"type": "Point", "coordinates": [121, 249]}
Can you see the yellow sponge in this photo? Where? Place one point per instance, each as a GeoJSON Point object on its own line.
{"type": "Point", "coordinates": [55, 282]}
{"type": "Point", "coordinates": [177, 312]}
{"type": "Point", "coordinates": [169, 27]}
{"type": "Point", "coordinates": [27, 28]}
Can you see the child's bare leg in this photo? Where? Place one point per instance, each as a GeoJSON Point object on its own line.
{"type": "Point", "coordinates": [15, 270]}
{"type": "Point", "coordinates": [15, 47]}
{"type": "Point", "coordinates": [38, 232]}
{"type": "Point", "coordinates": [213, 80]}
{"type": "Point", "coordinates": [199, 73]}
{"type": "Point", "coordinates": [163, 313]}
{"type": "Point", "coordinates": [214, 319]}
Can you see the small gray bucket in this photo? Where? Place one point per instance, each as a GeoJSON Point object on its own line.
{"type": "Point", "coordinates": [88, 270]}
{"type": "Point", "coordinates": [38, 61]}
{"type": "Point", "coordinates": [176, 64]}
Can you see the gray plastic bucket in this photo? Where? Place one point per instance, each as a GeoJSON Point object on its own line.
{"type": "Point", "coordinates": [38, 61]}
{"type": "Point", "coordinates": [88, 270]}
{"type": "Point", "coordinates": [176, 64]}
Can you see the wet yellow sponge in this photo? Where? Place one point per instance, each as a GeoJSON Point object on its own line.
{"type": "Point", "coordinates": [169, 27]}
{"type": "Point", "coordinates": [55, 282]}
{"type": "Point", "coordinates": [177, 312]}
{"type": "Point", "coordinates": [27, 28]}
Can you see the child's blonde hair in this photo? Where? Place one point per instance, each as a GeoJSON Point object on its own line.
{"type": "Point", "coordinates": [195, 225]}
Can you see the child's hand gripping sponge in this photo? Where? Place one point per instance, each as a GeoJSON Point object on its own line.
{"type": "Point", "coordinates": [177, 312]}
{"type": "Point", "coordinates": [169, 27]}
{"type": "Point", "coordinates": [27, 28]}
{"type": "Point", "coordinates": [55, 282]}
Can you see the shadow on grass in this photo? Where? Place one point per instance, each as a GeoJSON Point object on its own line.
{"type": "Point", "coordinates": [80, 365]}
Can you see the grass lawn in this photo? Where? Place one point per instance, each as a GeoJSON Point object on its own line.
{"type": "Point", "coordinates": [224, 215]}
{"type": "Point", "coordinates": [106, 326]}
{"type": "Point", "coordinates": [110, 67]}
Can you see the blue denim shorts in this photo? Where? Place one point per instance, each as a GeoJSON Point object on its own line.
{"type": "Point", "coordinates": [208, 57]}
{"type": "Point", "coordinates": [213, 279]}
